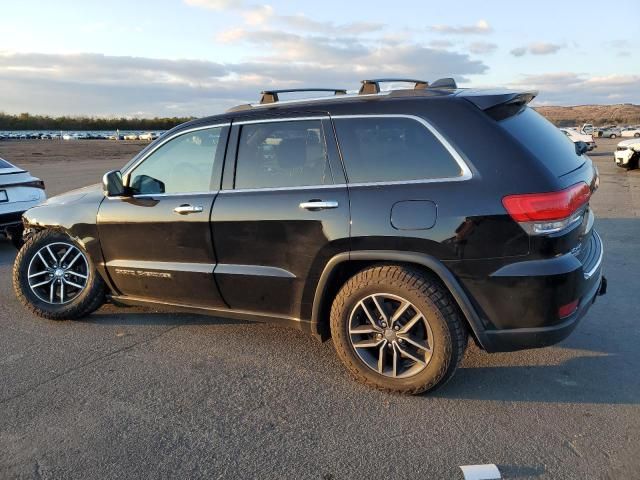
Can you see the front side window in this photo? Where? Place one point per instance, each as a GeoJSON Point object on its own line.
{"type": "Point", "coordinates": [282, 154]}
{"type": "Point", "coordinates": [387, 149]}
{"type": "Point", "coordinates": [182, 165]}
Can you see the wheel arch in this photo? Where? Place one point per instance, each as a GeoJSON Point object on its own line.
{"type": "Point", "coordinates": [344, 265]}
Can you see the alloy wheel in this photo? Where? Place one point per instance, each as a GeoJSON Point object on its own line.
{"type": "Point", "coordinates": [390, 335]}
{"type": "Point", "coordinates": [58, 273]}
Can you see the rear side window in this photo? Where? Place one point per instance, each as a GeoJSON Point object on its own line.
{"type": "Point", "coordinates": [282, 154]}
{"type": "Point", "coordinates": [384, 149]}
{"type": "Point", "coordinates": [546, 142]}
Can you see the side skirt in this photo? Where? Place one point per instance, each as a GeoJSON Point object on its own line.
{"type": "Point", "coordinates": [291, 322]}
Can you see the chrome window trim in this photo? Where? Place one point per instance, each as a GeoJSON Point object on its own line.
{"type": "Point", "coordinates": [464, 168]}
{"type": "Point", "coordinates": [281, 189]}
{"type": "Point", "coordinates": [184, 194]}
{"type": "Point", "coordinates": [163, 141]}
{"type": "Point", "coordinates": [287, 119]}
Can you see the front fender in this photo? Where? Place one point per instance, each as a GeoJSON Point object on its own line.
{"type": "Point", "coordinates": [74, 213]}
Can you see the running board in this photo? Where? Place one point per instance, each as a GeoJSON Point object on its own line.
{"type": "Point", "coordinates": [292, 322]}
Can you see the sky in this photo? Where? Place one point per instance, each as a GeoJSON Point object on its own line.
{"type": "Point", "coordinates": [200, 57]}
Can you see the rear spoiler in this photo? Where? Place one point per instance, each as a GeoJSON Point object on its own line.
{"type": "Point", "coordinates": [499, 104]}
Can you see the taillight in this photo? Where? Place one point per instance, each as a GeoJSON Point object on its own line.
{"type": "Point", "coordinates": [35, 184]}
{"type": "Point", "coordinates": [549, 212]}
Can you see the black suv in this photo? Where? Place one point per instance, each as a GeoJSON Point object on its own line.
{"type": "Point", "coordinates": [398, 222]}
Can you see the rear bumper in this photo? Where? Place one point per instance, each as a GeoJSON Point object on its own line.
{"type": "Point", "coordinates": [526, 338]}
{"type": "Point", "coordinates": [520, 302]}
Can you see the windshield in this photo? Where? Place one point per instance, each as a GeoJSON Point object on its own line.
{"type": "Point", "coordinates": [544, 140]}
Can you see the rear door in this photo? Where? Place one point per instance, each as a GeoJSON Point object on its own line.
{"type": "Point", "coordinates": [282, 213]}
{"type": "Point", "coordinates": [157, 243]}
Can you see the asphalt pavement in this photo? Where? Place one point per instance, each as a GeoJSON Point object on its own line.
{"type": "Point", "coordinates": [133, 393]}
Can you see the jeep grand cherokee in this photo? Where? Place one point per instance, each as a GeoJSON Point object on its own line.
{"type": "Point", "coordinates": [400, 223]}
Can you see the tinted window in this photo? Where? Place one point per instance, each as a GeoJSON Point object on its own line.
{"type": "Point", "coordinates": [391, 149]}
{"type": "Point", "coordinates": [544, 140]}
{"type": "Point", "coordinates": [282, 154]}
{"type": "Point", "coordinates": [182, 165]}
{"type": "Point", "coordinates": [5, 164]}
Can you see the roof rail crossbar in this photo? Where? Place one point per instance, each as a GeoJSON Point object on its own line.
{"type": "Point", "coordinates": [271, 96]}
{"type": "Point", "coordinates": [373, 86]}
{"type": "Point", "coordinates": [446, 82]}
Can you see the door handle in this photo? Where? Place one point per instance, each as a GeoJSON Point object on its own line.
{"type": "Point", "coordinates": [187, 209]}
{"type": "Point", "coordinates": [319, 204]}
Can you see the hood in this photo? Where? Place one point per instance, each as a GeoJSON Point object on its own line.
{"type": "Point", "coordinates": [74, 195]}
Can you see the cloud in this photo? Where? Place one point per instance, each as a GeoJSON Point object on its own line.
{"type": "Point", "coordinates": [95, 84]}
{"type": "Point", "coordinates": [482, 47]}
{"type": "Point", "coordinates": [253, 14]}
{"type": "Point", "coordinates": [536, 48]}
{"type": "Point", "coordinates": [480, 27]}
{"type": "Point", "coordinates": [569, 88]}
{"type": "Point", "coordinates": [307, 24]}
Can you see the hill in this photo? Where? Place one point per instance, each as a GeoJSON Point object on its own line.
{"type": "Point", "coordinates": [621, 114]}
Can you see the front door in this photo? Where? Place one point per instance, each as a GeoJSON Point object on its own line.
{"type": "Point", "coordinates": [157, 242]}
{"type": "Point", "coordinates": [285, 213]}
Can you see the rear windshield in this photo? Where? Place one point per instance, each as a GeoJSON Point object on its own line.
{"type": "Point", "coordinates": [5, 164]}
{"type": "Point", "coordinates": [544, 140]}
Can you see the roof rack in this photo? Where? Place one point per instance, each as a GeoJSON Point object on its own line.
{"type": "Point", "coordinates": [446, 82]}
{"type": "Point", "coordinates": [271, 96]}
{"type": "Point", "coordinates": [373, 86]}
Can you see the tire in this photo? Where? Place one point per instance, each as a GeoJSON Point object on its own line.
{"type": "Point", "coordinates": [613, 135]}
{"type": "Point", "coordinates": [48, 301]}
{"type": "Point", "coordinates": [637, 135]}
{"type": "Point", "coordinates": [440, 322]}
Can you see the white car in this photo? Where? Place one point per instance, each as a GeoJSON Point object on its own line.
{"type": "Point", "coordinates": [576, 136]}
{"type": "Point", "coordinates": [19, 191]}
{"type": "Point", "coordinates": [131, 136]}
{"type": "Point", "coordinates": [627, 154]}
{"type": "Point", "coordinates": [631, 132]}
{"type": "Point", "coordinates": [146, 136]}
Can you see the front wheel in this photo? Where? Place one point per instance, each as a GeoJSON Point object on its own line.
{"type": "Point", "coordinates": [54, 277]}
{"type": "Point", "coordinates": [398, 329]}
{"type": "Point", "coordinates": [613, 135]}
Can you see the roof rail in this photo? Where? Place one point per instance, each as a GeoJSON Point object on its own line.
{"type": "Point", "coordinates": [373, 86]}
{"type": "Point", "coordinates": [271, 96]}
{"type": "Point", "coordinates": [446, 82]}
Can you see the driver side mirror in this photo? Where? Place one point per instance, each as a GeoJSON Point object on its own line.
{"type": "Point", "coordinates": [112, 184]}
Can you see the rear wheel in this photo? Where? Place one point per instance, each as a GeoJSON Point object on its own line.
{"type": "Point", "coordinates": [397, 329]}
{"type": "Point", "coordinates": [53, 276]}
{"type": "Point", "coordinates": [613, 135]}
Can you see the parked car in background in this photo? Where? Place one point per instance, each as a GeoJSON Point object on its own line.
{"type": "Point", "coordinates": [587, 128]}
{"type": "Point", "coordinates": [131, 136]}
{"type": "Point", "coordinates": [19, 191]}
{"type": "Point", "coordinates": [371, 218]}
{"type": "Point", "coordinates": [576, 137]}
{"type": "Point", "coordinates": [146, 136]}
{"type": "Point", "coordinates": [609, 132]}
{"type": "Point", "coordinates": [631, 132]}
{"type": "Point", "coordinates": [627, 154]}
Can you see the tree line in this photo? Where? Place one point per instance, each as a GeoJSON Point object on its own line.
{"type": "Point", "coordinates": [27, 121]}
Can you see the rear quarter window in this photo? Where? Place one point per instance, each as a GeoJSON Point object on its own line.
{"type": "Point", "coordinates": [384, 149]}
{"type": "Point", "coordinates": [5, 164]}
{"type": "Point", "coordinates": [546, 142]}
